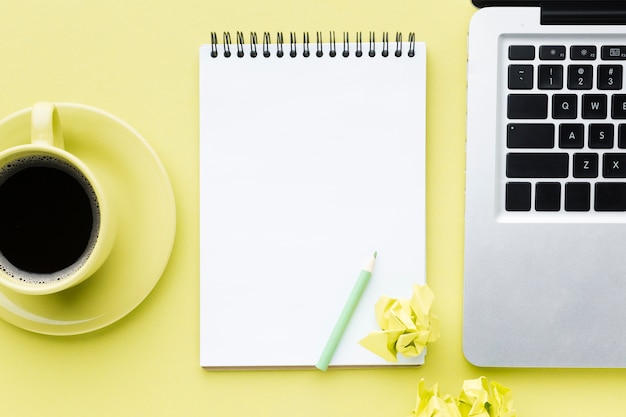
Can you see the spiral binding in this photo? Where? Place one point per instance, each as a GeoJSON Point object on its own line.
{"type": "Point", "coordinates": [292, 48]}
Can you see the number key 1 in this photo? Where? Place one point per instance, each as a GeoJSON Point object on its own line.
{"type": "Point", "coordinates": [550, 77]}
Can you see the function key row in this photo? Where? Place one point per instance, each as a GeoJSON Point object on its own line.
{"type": "Point", "coordinates": [559, 52]}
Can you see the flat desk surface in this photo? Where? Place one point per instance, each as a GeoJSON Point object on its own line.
{"type": "Point", "coordinates": [139, 60]}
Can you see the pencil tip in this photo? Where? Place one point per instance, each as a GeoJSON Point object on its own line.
{"type": "Point", "coordinates": [375, 254]}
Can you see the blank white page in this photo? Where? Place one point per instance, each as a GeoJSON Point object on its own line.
{"type": "Point", "coordinates": [307, 166]}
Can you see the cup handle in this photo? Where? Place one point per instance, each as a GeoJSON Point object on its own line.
{"type": "Point", "coordinates": [46, 126]}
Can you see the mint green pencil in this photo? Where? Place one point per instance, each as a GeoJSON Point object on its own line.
{"type": "Point", "coordinates": [346, 314]}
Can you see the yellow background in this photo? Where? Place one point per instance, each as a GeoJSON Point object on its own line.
{"type": "Point", "coordinates": [138, 59]}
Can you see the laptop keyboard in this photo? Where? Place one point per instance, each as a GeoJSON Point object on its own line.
{"type": "Point", "coordinates": [565, 128]}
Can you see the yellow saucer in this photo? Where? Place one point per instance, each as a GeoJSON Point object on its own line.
{"type": "Point", "coordinates": [141, 195]}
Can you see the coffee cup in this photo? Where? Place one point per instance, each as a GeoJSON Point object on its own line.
{"type": "Point", "coordinates": [56, 228]}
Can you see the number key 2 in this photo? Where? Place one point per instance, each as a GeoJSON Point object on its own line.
{"type": "Point", "coordinates": [580, 77]}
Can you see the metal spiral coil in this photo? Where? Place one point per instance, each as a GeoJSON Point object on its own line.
{"type": "Point", "coordinates": [302, 46]}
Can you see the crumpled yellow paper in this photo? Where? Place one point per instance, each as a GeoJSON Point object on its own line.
{"type": "Point", "coordinates": [478, 398]}
{"type": "Point", "coordinates": [406, 325]}
{"type": "Point", "coordinates": [481, 398]}
{"type": "Point", "coordinates": [431, 404]}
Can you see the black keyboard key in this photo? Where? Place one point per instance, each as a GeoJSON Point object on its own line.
{"type": "Point", "coordinates": [577, 196]}
{"type": "Point", "coordinates": [537, 165]}
{"type": "Point", "coordinates": [548, 196]}
{"type": "Point", "coordinates": [571, 135]}
{"type": "Point", "coordinates": [621, 136]}
{"type": "Point", "coordinates": [610, 77]}
{"type": "Point", "coordinates": [552, 52]}
{"type": "Point", "coordinates": [583, 53]}
{"type": "Point", "coordinates": [527, 106]}
{"type": "Point", "coordinates": [580, 77]}
{"type": "Point", "coordinates": [614, 165]}
{"type": "Point", "coordinates": [601, 136]}
{"type": "Point", "coordinates": [594, 106]}
{"type": "Point", "coordinates": [550, 77]}
{"type": "Point", "coordinates": [616, 52]}
{"type": "Point", "coordinates": [610, 196]}
{"type": "Point", "coordinates": [521, 77]}
{"type": "Point", "coordinates": [521, 52]}
{"type": "Point", "coordinates": [517, 196]}
{"type": "Point", "coordinates": [530, 135]}
{"type": "Point", "coordinates": [564, 106]}
{"type": "Point", "coordinates": [618, 106]}
{"type": "Point", "coordinates": [585, 165]}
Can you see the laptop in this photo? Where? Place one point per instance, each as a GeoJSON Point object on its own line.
{"type": "Point", "coordinates": [545, 215]}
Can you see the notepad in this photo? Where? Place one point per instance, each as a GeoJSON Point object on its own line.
{"type": "Point", "coordinates": [312, 157]}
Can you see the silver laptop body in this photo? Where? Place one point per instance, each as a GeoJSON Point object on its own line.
{"type": "Point", "coordinates": [545, 215]}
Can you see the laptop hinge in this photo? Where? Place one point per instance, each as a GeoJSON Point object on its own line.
{"type": "Point", "coordinates": [584, 13]}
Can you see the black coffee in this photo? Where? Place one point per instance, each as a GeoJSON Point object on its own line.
{"type": "Point", "coordinates": [48, 215]}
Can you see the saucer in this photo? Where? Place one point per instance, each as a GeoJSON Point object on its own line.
{"type": "Point", "coordinates": [143, 200]}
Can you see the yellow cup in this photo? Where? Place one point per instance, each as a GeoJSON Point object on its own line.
{"type": "Point", "coordinates": [56, 228]}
